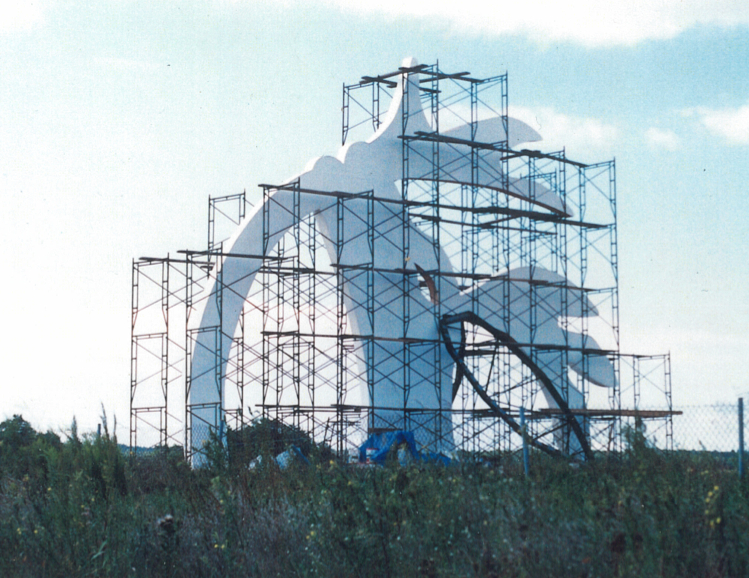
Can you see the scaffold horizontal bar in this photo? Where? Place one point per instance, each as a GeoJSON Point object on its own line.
{"type": "Point", "coordinates": [385, 77]}
{"type": "Point", "coordinates": [234, 197]}
{"type": "Point", "coordinates": [537, 216]}
{"type": "Point", "coordinates": [557, 217]}
{"type": "Point", "coordinates": [493, 224]}
{"type": "Point", "coordinates": [642, 413]}
{"type": "Point", "coordinates": [474, 276]}
{"type": "Point", "coordinates": [153, 335]}
{"type": "Point", "coordinates": [552, 347]}
{"type": "Point", "coordinates": [173, 260]}
{"type": "Point", "coordinates": [375, 269]}
{"type": "Point", "coordinates": [223, 254]}
{"type": "Point", "coordinates": [286, 270]}
{"type": "Point", "coordinates": [293, 408]}
{"type": "Point", "coordinates": [423, 69]}
{"type": "Point", "coordinates": [445, 76]}
{"type": "Point", "coordinates": [348, 336]}
{"type": "Point", "coordinates": [435, 137]}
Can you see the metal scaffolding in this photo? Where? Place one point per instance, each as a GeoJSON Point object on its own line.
{"type": "Point", "coordinates": [496, 241]}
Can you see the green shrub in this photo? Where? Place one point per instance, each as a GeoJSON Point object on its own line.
{"type": "Point", "coordinates": [85, 508]}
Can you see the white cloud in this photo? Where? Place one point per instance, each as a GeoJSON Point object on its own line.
{"type": "Point", "coordinates": [582, 137]}
{"type": "Point", "coordinates": [587, 22]}
{"type": "Point", "coordinates": [662, 139]}
{"type": "Point", "coordinates": [18, 15]}
{"type": "Point", "coordinates": [729, 123]}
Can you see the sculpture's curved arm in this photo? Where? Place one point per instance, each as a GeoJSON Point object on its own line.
{"type": "Point", "coordinates": [506, 340]}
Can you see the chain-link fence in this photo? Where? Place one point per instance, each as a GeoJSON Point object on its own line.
{"type": "Point", "coordinates": [704, 428]}
{"type": "Point", "coordinates": [712, 428]}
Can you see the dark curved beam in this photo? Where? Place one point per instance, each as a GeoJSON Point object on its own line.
{"type": "Point", "coordinates": [507, 341]}
{"type": "Point", "coordinates": [461, 354]}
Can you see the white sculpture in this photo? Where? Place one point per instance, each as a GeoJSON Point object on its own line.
{"type": "Point", "coordinates": [376, 165]}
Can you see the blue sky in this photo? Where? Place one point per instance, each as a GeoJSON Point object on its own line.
{"type": "Point", "coordinates": [118, 119]}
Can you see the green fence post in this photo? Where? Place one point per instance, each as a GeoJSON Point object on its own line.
{"type": "Point", "coordinates": [741, 438]}
{"type": "Point", "coordinates": [523, 428]}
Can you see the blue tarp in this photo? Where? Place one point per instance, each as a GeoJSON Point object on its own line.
{"type": "Point", "coordinates": [382, 443]}
{"type": "Point", "coordinates": [294, 453]}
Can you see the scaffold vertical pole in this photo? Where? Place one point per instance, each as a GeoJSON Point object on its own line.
{"type": "Point", "coordinates": [524, 432]}
{"type": "Point", "coordinates": [133, 355]}
{"type": "Point", "coordinates": [405, 249]}
{"type": "Point", "coordinates": [345, 114]}
{"type": "Point", "coordinates": [165, 292]}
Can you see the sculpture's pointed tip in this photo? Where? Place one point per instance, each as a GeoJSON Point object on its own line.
{"type": "Point", "coordinates": [409, 62]}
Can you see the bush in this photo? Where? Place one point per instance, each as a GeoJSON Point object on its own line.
{"type": "Point", "coordinates": [263, 437]}
{"type": "Point", "coordinates": [23, 451]}
{"type": "Point", "coordinates": [89, 509]}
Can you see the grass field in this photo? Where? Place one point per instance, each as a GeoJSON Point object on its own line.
{"type": "Point", "coordinates": [80, 507]}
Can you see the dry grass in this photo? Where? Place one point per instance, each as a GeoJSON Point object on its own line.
{"type": "Point", "coordinates": [81, 508]}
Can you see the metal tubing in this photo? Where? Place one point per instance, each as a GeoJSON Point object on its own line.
{"type": "Point", "coordinates": [741, 438]}
{"type": "Point", "coordinates": [526, 457]}
{"type": "Point", "coordinates": [301, 352]}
